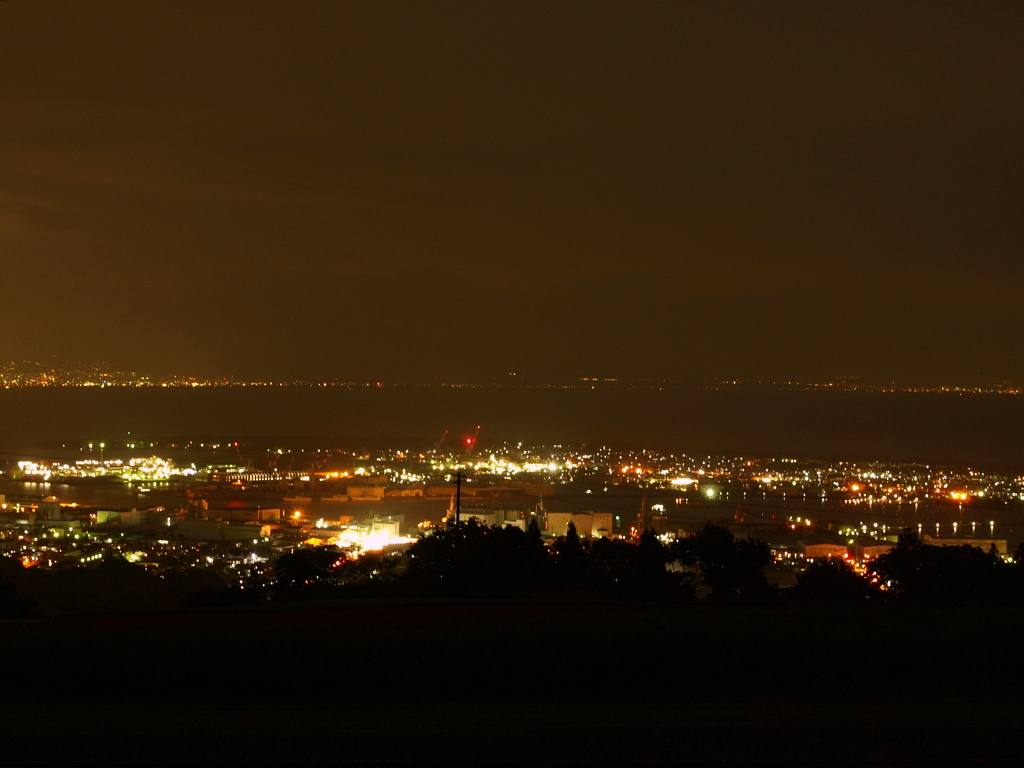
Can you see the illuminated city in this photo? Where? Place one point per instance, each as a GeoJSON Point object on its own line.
{"type": "Point", "coordinates": [236, 517]}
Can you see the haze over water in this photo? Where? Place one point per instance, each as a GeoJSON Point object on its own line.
{"type": "Point", "coordinates": [977, 429]}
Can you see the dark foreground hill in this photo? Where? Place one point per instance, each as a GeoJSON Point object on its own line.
{"type": "Point", "coordinates": [471, 680]}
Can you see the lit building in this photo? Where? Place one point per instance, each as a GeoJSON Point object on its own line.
{"type": "Point", "coordinates": [584, 522]}
{"type": "Point", "coordinates": [558, 523]}
{"type": "Point", "coordinates": [814, 550]}
{"type": "Point", "coordinates": [869, 549]}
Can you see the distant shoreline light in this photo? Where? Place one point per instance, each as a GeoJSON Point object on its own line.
{"type": "Point", "coordinates": [28, 373]}
{"type": "Point", "coordinates": [789, 387]}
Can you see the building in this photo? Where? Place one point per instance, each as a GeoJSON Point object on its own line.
{"type": "Point", "coordinates": [584, 522]}
{"type": "Point", "coordinates": [487, 517]}
{"type": "Point", "coordinates": [365, 492]}
{"type": "Point", "coordinates": [386, 526]}
{"type": "Point", "coordinates": [241, 532]}
{"type": "Point", "coordinates": [660, 524]}
{"type": "Point", "coordinates": [869, 549]}
{"type": "Point", "coordinates": [48, 509]}
{"type": "Point", "coordinates": [604, 524]}
{"type": "Point", "coordinates": [558, 523]}
{"type": "Point", "coordinates": [135, 518]}
{"type": "Point", "coordinates": [404, 493]}
{"type": "Point", "coordinates": [814, 550]}
{"type": "Point", "coordinates": [218, 530]}
{"type": "Point", "coordinates": [199, 530]}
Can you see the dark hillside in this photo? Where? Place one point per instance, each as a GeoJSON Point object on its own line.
{"type": "Point", "coordinates": [518, 680]}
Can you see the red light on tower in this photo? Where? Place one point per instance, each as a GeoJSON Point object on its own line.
{"type": "Point", "coordinates": [469, 441]}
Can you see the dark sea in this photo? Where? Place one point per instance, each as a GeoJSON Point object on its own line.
{"type": "Point", "coordinates": [983, 430]}
{"type": "Point", "coordinates": [971, 428]}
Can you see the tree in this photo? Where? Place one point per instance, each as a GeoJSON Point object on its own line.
{"type": "Point", "coordinates": [1018, 554]}
{"type": "Point", "coordinates": [571, 568]}
{"type": "Point", "coordinates": [921, 573]}
{"type": "Point", "coordinates": [533, 531]}
{"type": "Point", "coordinates": [612, 561]}
{"type": "Point", "coordinates": [475, 560]}
{"type": "Point", "coordinates": [371, 570]}
{"type": "Point", "coordinates": [306, 572]}
{"type": "Point", "coordinates": [649, 576]}
{"type": "Point", "coordinates": [568, 549]}
{"type": "Point", "coordinates": [733, 569]}
{"type": "Point", "coordinates": [181, 586]}
{"type": "Point", "coordinates": [12, 606]}
{"type": "Point", "coordinates": [112, 584]}
{"type": "Point", "coordinates": [638, 571]}
{"type": "Point", "coordinates": [832, 581]}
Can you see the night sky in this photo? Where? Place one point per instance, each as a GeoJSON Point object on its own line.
{"type": "Point", "coordinates": [423, 191]}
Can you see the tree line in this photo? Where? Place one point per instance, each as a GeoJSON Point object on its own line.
{"type": "Point", "coordinates": [472, 560]}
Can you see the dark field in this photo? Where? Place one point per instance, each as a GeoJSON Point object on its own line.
{"type": "Point", "coordinates": [518, 681]}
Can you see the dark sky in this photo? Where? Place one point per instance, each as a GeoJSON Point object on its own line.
{"type": "Point", "coordinates": [416, 190]}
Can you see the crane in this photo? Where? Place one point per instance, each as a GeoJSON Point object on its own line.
{"type": "Point", "coordinates": [470, 442]}
{"type": "Point", "coordinates": [247, 463]}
